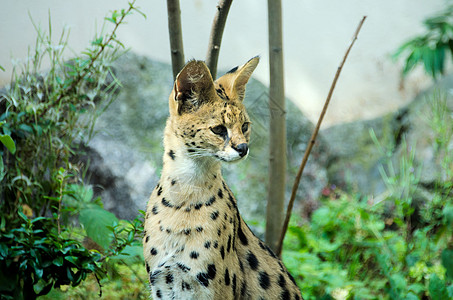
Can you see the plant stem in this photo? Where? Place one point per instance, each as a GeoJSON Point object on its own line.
{"type": "Point", "coordinates": [277, 127]}
{"type": "Point", "coordinates": [175, 33]}
{"type": "Point", "coordinates": [312, 141]}
{"type": "Point", "coordinates": [215, 39]}
{"type": "Point", "coordinates": [100, 51]}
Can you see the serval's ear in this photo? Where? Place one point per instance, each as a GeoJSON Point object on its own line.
{"type": "Point", "coordinates": [234, 81]}
{"type": "Point", "coordinates": [193, 87]}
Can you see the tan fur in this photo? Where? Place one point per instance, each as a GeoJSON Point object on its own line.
{"type": "Point", "coordinates": [196, 245]}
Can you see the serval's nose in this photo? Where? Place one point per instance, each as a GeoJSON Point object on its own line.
{"type": "Point", "coordinates": [242, 149]}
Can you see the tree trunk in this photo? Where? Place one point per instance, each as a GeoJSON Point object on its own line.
{"type": "Point", "coordinates": [175, 33]}
{"type": "Point", "coordinates": [215, 38]}
{"type": "Point", "coordinates": [277, 150]}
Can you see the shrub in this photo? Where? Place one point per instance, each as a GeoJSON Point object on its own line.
{"type": "Point", "coordinates": [395, 248]}
{"type": "Point", "coordinates": [43, 201]}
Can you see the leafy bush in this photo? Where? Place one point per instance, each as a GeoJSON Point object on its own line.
{"type": "Point", "coordinates": [43, 201]}
{"type": "Point", "coordinates": [432, 48]}
{"type": "Point", "coordinates": [34, 259]}
{"type": "Point", "coordinates": [391, 248]}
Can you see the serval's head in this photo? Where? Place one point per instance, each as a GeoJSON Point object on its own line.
{"type": "Point", "coordinates": [209, 116]}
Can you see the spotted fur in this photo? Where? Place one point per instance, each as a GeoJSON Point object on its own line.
{"type": "Point", "coordinates": [196, 245]}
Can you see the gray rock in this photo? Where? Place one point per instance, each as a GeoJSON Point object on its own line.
{"type": "Point", "coordinates": [356, 159]}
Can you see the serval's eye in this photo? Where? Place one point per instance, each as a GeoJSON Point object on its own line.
{"type": "Point", "coordinates": [245, 127]}
{"type": "Point", "coordinates": [219, 130]}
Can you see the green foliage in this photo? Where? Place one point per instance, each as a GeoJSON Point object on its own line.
{"type": "Point", "coordinates": [34, 258]}
{"type": "Point", "coordinates": [392, 247]}
{"type": "Point", "coordinates": [128, 281]}
{"type": "Point", "coordinates": [62, 234]}
{"type": "Point", "coordinates": [430, 49]}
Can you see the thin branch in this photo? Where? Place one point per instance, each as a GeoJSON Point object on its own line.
{"type": "Point", "coordinates": [93, 59]}
{"type": "Point", "coordinates": [313, 139]}
{"type": "Point", "coordinates": [175, 32]}
{"type": "Point", "coordinates": [215, 39]}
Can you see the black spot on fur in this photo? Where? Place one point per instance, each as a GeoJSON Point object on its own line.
{"type": "Point", "coordinates": [211, 271]}
{"type": "Point", "coordinates": [153, 251]}
{"type": "Point", "coordinates": [173, 182]}
{"type": "Point", "coordinates": [229, 244]}
{"type": "Point", "coordinates": [222, 252]}
{"type": "Point", "coordinates": [241, 265]}
{"type": "Point", "coordinates": [155, 210]}
{"type": "Point", "coordinates": [241, 235]}
{"type": "Point", "coordinates": [158, 294]}
{"type": "Point", "coordinates": [183, 267]}
{"type": "Point", "coordinates": [271, 253]}
{"type": "Point", "coordinates": [243, 288]}
{"type": "Point", "coordinates": [219, 232]}
{"type": "Point", "coordinates": [227, 277]}
{"type": "Point", "coordinates": [169, 278]}
{"type": "Point", "coordinates": [207, 244]}
{"type": "Point", "coordinates": [264, 280]}
{"type": "Point", "coordinates": [210, 201]}
{"type": "Point", "coordinates": [185, 286]}
{"type": "Point", "coordinates": [253, 261]}
{"type": "Point", "coordinates": [231, 198]}
{"type": "Point", "coordinates": [214, 215]}
{"type": "Point", "coordinates": [166, 203]}
{"type": "Point", "coordinates": [296, 297]}
{"type": "Point", "coordinates": [199, 229]}
{"type": "Point", "coordinates": [171, 153]}
{"type": "Point", "coordinates": [281, 281]}
{"type": "Point", "coordinates": [153, 277]}
{"type": "Point", "coordinates": [286, 295]}
{"type": "Point", "coordinates": [290, 277]}
{"type": "Point", "coordinates": [234, 285]}
{"type": "Point", "coordinates": [203, 279]}
{"type": "Point", "coordinates": [198, 206]}
{"type": "Point", "coordinates": [187, 231]}
{"type": "Point", "coordinates": [194, 255]}
{"type": "Point", "coordinates": [220, 194]}
{"type": "Point", "coordinates": [147, 267]}
{"type": "Point", "coordinates": [147, 239]}
{"type": "Point", "coordinates": [159, 191]}
{"type": "Point", "coordinates": [216, 244]}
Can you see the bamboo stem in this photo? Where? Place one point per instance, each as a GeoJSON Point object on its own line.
{"type": "Point", "coordinates": [277, 127]}
{"type": "Point", "coordinates": [215, 39]}
{"type": "Point", "coordinates": [175, 33]}
{"type": "Point", "coordinates": [312, 141]}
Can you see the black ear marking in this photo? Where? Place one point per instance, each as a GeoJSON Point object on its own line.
{"type": "Point", "coordinates": [233, 70]}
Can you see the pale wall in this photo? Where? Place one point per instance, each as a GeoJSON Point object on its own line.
{"type": "Point", "coordinates": [316, 35]}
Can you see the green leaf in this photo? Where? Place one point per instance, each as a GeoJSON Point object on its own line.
{"type": "Point", "coordinates": [8, 142]}
{"type": "Point", "coordinates": [437, 288]}
{"type": "Point", "coordinates": [448, 214]}
{"type": "Point", "coordinates": [130, 255]}
{"type": "Point", "coordinates": [2, 172]}
{"type": "Point", "coordinates": [96, 220]}
{"type": "Point", "coordinates": [26, 128]}
{"type": "Point", "coordinates": [447, 262]}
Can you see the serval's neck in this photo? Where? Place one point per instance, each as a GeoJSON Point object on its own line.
{"type": "Point", "coordinates": [185, 172]}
